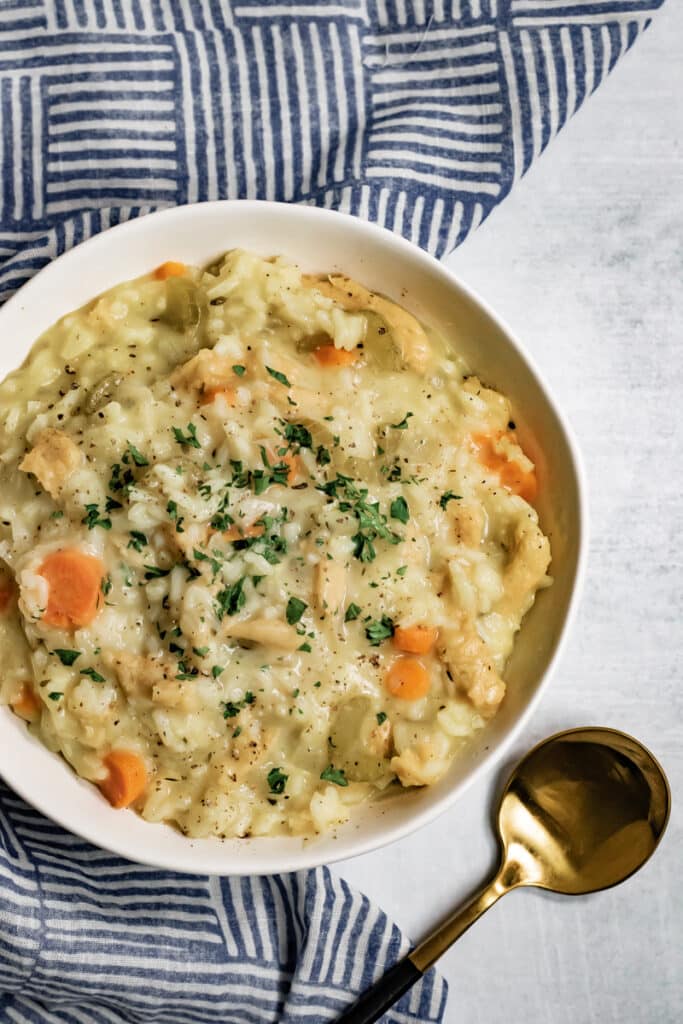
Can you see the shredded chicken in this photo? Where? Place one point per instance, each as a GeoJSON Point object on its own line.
{"type": "Point", "coordinates": [204, 372]}
{"type": "Point", "coordinates": [526, 568]}
{"type": "Point", "coordinates": [141, 676]}
{"type": "Point", "coordinates": [52, 460]}
{"type": "Point", "coordinates": [406, 331]}
{"type": "Point", "coordinates": [263, 631]}
{"type": "Point", "coordinates": [330, 585]}
{"type": "Point", "coordinates": [470, 664]}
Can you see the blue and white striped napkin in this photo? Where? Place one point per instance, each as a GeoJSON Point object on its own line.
{"type": "Point", "coordinates": [417, 114]}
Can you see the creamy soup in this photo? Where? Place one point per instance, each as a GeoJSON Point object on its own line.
{"type": "Point", "coordinates": [265, 543]}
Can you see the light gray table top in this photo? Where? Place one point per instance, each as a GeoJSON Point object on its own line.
{"type": "Point", "coordinates": [585, 261]}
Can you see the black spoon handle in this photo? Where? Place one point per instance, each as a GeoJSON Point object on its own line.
{"type": "Point", "coordinates": [383, 994]}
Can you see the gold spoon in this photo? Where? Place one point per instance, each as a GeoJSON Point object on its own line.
{"type": "Point", "coordinates": [582, 812]}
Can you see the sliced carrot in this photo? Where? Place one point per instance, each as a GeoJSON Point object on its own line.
{"type": "Point", "coordinates": [408, 679]}
{"type": "Point", "coordinates": [169, 269]}
{"type": "Point", "coordinates": [415, 639]}
{"type": "Point", "coordinates": [513, 476]}
{"type": "Point", "coordinates": [7, 592]}
{"type": "Point", "coordinates": [236, 532]}
{"type": "Point", "coordinates": [75, 588]}
{"type": "Point", "coordinates": [330, 356]}
{"type": "Point", "coordinates": [211, 394]}
{"type": "Point", "coordinates": [293, 463]}
{"type": "Point", "coordinates": [126, 780]}
{"type": "Point", "coordinates": [26, 704]}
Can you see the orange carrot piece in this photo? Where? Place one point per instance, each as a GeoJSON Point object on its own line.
{"type": "Point", "coordinates": [329, 356]}
{"type": "Point", "coordinates": [293, 463]}
{"type": "Point", "coordinates": [211, 394]}
{"type": "Point", "coordinates": [236, 532]}
{"type": "Point", "coordinates": [7, 592]}
{"type": "Point", "coordinates": [126, 780]}
{"type": "Point", "coordinates": [513, 476]}
{"type": "Point", "coordinates": [169, 269]}
{"type": "Point", "coordinates": [415, 639]}
{"type": "Point", "coordinates": [26, 704]}
{"type": "Point", "coordinates": [408, 679]}
{"type": "Point", "coordinates": [75, 588]}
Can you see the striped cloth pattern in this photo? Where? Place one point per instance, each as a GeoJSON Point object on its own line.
{"type": "Point", "coordinates": [417, 114]}
{"type": "Point", "coordinates": [88, 938]}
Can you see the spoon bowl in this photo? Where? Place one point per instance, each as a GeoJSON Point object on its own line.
{"type": "Point", "coordinates": [581, 812]}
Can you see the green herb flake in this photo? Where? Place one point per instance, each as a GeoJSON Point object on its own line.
{"type": "Point", "coordinates": [112, 504]}
{"type": "Point", "coordinates": [399, 510]}
{"type": "Point", "coordinates": [137, 456]}
{"type": "Point", "coordinates": [67, 657]}
{"type": "Point", "coordinates": [297, 433]}
{"type": "Point", "coordinates": [279, 377]}
{"type": "Point", "coordinates": [106, 585]}
{"type": "Point", "coordinates": [334, 775]}
{"type": "Point", "coordinates": [137, 540]}
{"type": "Point", "coordinates": [93, 674]}
{"type": "Point", "coordinates": [352, 612]}
{"type": "Point", "coordinates": [317, 684]}
{"type": "Point", "coordinates": [305, 647]}
{"type": "Point", "coordinates": [231, 599]}
{"type": "Point", "coordinates": [277, 780]}
{"type": "Point", "coordinates": [57, 515]}
{"type": "Point", "coordinates": [153, 572]}
{"type": "Point", "coordinates": [201, 652]}
{"type": "Point", "coordinates": [295, 609]}
{"type": "Point", "coordinates": [381, 717]}
{"type": "Point", "coordinates": [92, 518]}
{"type": "Point", "coordinates": [402, 570]}
{"type": "Point", "coordinates": [239, 369]}
{"type": "Point", "coordinates": [449, 496]}
{"type": "Point", "coordinates": [378, 630]}
{"type": "Point", "coordinates": [237, 732]}
{"type": "Point", "coordinates": [188, 440]}
{"type": "Point", "coordinates": [322, 456]}
{"type": "Point", "coordinates": [403, 425]}
{"type": "Point", "coordinates": [217, 670]}
{"type": "Point", "coordinates": [55, 695]}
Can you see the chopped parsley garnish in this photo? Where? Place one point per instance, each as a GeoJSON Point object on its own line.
{"type": "Point", "coordinates": [232, 708]}
{"type": "Point", "coordinates": [305, 647]}
{"type": "Point", "coordinates": [153, 572]}
{"type": "Point", "coordinates": [57, 515]}
{"type": "Point", "coordinates": [172, 509]}
{"type": "Point", "coordinates": [295, 609]}
{"type": "Point", "coordinates": [237, 732]}
{"type": "Point", "coordinates": [120, 480]}
{"type": "Point", "coordinates": [112, 504]}
{"type": "Point", "coordinates": [372, 524]}
{"type": "Point", "coordinates": [92, 518]}
{"type": "Point", "coordinates": [322, 456]}
{"type": "Point", "coordinates": [137, 457]}
{"type": "Point", "coordinates": [352, 612]}
{"type": "Point", "coordinates": [201, 652]}
{"type": "Point", "coordinates": [334, 775]}
{"type": "Point", "coordinates": [399, 510]}
{"type": "Point", "coordinates": [94, 675]}
{"type": "Point", "coordinates": [279, 377]}
{"type": "Point", "coordinates": [106, 585]}
{"type": "Point", "coordinates": [277, 780]}
{"type": "Point", "coordinates": [188, 440]}
{"type": "Point", "coordinates": [403, 425]}
{"type": "Point", "coordinates": [239, 369]}
{"type": "Point", "coordinates": [402, 570]}
{"type": "Point", "coordinates": [67, 657]}
{"type": "Point", "coordinates": [297, 433]}
{"type": "Point", "coordinates": [55, 695]}
{"type": "Point", "coordinates": [378, 630]}
{"type": "Point", "coordinates": [381, 717]}
{"type": "Point", "coordinates": [217, 670]}
{"type": "Point", "coordinates": [222, 522]}
{"type": "Point", "coordinates": [231, 599]}
{"type": "Point", "coordinates": [137, 540]}
{"type": "Point", "coordinates": [448, 496]}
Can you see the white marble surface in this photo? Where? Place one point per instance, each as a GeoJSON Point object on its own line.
{"type": "Point", "coordinates": [585, 261]}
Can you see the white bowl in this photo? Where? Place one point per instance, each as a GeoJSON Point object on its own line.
{"type": "Point", "coordinates": [317, 240]}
